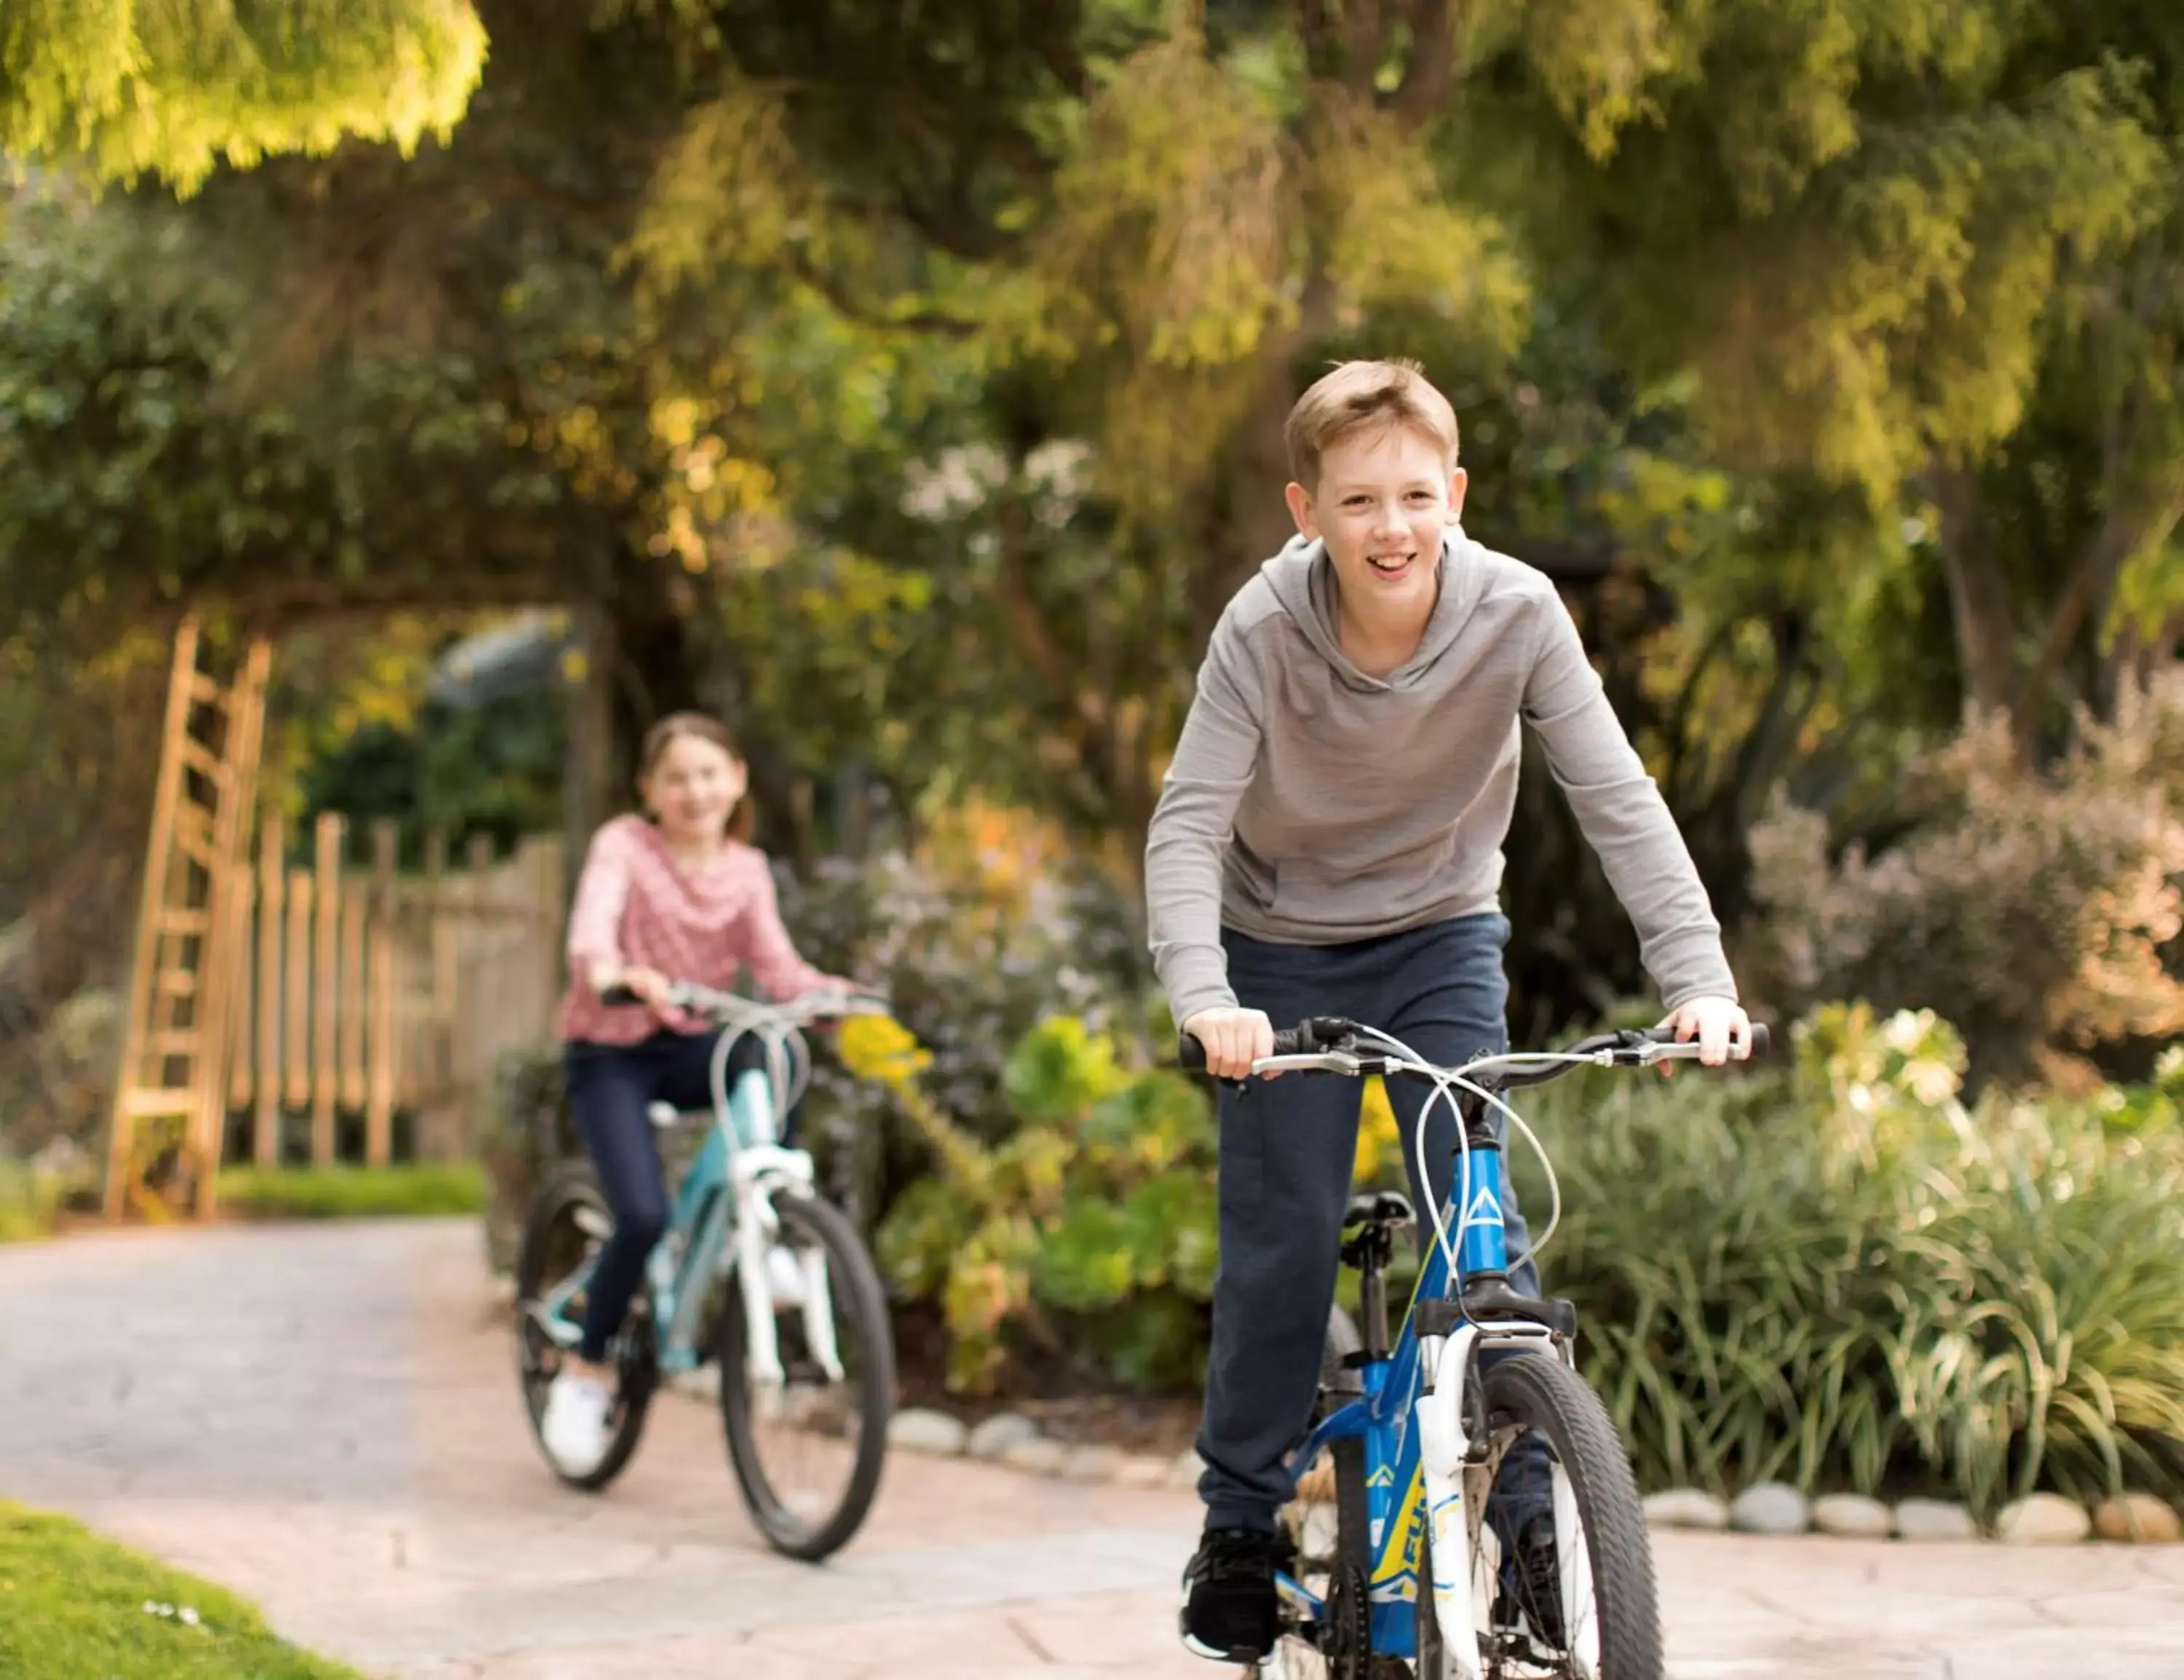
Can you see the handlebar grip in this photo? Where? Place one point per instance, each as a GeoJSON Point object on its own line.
{"type": "Point", "coordinates": [1288, 1041]}
{"type": "Point", "coordinates": [1761, 1038]}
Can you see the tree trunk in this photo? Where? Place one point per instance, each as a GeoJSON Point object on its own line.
{"type": "Point", "coordinates": [592, 783]}
{"type": "Point", "coordinates": [1978, 593]}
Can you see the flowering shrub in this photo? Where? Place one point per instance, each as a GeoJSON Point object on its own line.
{"type": "Point", "coordinates": [2041, 911]}
{"type": "Point", "coordinates": [1092, 1224]}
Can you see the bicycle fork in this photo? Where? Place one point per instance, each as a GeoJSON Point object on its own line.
{"type": "Point", "coordinates": [1448, 1344]}
{"type": "Point", "coordinates": [1444, 1452]}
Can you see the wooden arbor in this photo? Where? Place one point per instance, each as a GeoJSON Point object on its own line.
{"type": "Point", "coordinates": [169, 1093]}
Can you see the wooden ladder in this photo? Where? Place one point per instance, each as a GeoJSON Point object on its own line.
{"type": "Point", "coordinates": [170, 1094]}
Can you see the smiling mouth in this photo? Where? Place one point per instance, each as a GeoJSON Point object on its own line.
{"type": "Point", "coordinates": [1391, 565]}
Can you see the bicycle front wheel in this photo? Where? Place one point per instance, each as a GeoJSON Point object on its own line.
{"type": "Point", "coordinates": [1586, 1607]}
{"type": "Point", "coordinates": [808, 1451]}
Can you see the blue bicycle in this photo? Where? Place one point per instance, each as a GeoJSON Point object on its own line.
{"type": "Point", "coordinates": [754, 1271]}
{"type": "Point", "coordinates": [1400, 1567]}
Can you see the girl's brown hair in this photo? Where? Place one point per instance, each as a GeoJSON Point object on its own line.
{"type": "Point", "coordinates": [696, 726]}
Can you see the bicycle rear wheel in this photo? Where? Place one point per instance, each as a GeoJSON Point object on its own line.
{"type": "Point", "coordinates": [1596, 1614]}
{"type": "Point", "coordinates": [569, 1224]}
{"type": "Point", "coordinates": [1327, 1523]}
{"type": "Point", "coordinates": [808, 1454]}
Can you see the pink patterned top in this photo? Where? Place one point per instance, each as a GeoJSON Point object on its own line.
{"type": "Point", "coordinates": [637, 907]}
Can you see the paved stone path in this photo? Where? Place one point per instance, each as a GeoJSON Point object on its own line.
{"type": "Point", "coordinates": [325, 1418]}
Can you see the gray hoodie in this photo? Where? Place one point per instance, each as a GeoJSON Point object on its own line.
{"type": "Point", "coordinates": [1309, 804]}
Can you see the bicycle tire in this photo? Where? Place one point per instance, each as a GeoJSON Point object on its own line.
{"type": "Point", "coordinates": [1338, 1384]}
{"type": "Point", "coordinates": [572, 1185]}
{"type": "Point", "coordinates": [1540, 1392]}
{"type": "Point", "coordinates": [860, 1321]}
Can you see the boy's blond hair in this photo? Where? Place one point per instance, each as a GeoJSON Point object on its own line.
{"type": "Point", "coordinates": [1361, 397]}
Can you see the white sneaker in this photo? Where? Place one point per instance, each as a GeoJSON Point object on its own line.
{"type": "Point", "coordinates": [784, 1276]}
{"type": "Point", "coordinates": [573, 1428]}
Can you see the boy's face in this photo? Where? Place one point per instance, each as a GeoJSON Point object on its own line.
{"type": "Point", "coordinates": [1383, 500]}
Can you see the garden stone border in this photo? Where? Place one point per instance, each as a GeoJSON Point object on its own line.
{"type": "Point", "coordinates": [1015, 1441]}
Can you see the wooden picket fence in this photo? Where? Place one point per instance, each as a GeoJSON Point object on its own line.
{"type": "Point", "coordinates": [361, 996]}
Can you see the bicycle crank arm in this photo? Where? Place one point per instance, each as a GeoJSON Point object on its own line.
{"type": "Point", "coordinates": [1443, 1448]}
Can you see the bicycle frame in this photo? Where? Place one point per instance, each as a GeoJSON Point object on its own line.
{"type": "Point", "coordinates": [1414, 1474]}
{"type": "Point", "coordinates": [1420, 1463]}
{"type": "Point", "coordinates": [722, 1219]}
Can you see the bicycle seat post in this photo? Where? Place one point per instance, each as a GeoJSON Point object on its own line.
{"type": "Point", "coordinates": [1378, 1218]}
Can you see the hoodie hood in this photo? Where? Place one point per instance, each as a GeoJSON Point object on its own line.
{"type": "Point", "coordinates": [1303, 581]}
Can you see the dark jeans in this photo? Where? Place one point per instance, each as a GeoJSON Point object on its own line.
{"type": "Point", "coordinates": [1287, 1148]}
{"type": "Point", "coordinates": [609, 1087]}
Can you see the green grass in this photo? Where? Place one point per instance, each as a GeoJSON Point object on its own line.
{"type": "Point", "coordinates": [72, 1608]}
{"type": "Point", "coordinates": [421, 1189]}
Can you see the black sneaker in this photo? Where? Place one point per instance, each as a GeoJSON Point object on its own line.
{"type": "Point", "coordinates": [1229, 1609]}
{"type": "Point", "coordinates": [1532, 1583]}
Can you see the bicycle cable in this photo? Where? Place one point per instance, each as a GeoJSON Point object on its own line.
{"type": "Point", "coordinates": [1443, 1080]}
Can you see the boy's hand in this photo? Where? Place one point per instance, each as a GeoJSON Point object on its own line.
{"type": "Point", "coordinates": [1234, 1039]}
{"type": "Point", "coordinates": [1721, 1026]}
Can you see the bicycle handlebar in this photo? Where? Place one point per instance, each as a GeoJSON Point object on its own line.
{"type": "Point", "coordinates": [683, 994]}
{"type": "Point", "coordinates": [1329, 1044]}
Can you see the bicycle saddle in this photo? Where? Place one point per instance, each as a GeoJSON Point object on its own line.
{"type": "Point", "coordinates": [1388, 1208]}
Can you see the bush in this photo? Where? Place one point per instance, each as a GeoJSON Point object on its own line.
{"type": "Point", "coordinates": [28, 1202]}
{"type": "Point", "coordinates": [1091, 1227]}
{"type": "Point", "coordinates": [423, 1189]}
{"type": "Point", "coordinates": [2037, 909]}
{"type": "Point", "coordinates": [972, 954]}
{"type": "Point", "coordinates": [1843, 1278]}
{"type": "Point", "coordinates": [525, 1132]}
{"type": "Point", "coordinates": [34, 1193]}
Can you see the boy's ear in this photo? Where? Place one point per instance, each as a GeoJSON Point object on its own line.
{"type": "Point", "coordinates": [1300, 501]}
{"type": "Point", "coordinates": [1458, 480]}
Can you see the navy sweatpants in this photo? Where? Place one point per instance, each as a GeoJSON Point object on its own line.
{"type": "Point", "coordinates": [1286, 1150]}
{"type": "Point", "coordinates": [609, 1087]}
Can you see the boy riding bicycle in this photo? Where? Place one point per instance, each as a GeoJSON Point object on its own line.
{"type": "Point", "coordinates": [1328, 842]}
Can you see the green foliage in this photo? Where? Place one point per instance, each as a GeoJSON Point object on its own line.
{"type": "Point", "coordinates": [970, 966]}
{"type": "Point", "coordinates": [176, 86]}
{"type": "Point", "coordinates": [30, 1200]}
{"type": "Point", "coordinates": [423, 1189]}
{"type": "Point", "coordinates": [1843, 1278]}
{"type": "Point", "coordinates": [493, 769]}
{"type": "Point", "coordinates": [1092, 1222]}
{"type": "Point", "coordinates": [76, 1605]}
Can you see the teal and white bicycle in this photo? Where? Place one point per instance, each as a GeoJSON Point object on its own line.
{"type": "Point", "coordinates": [1400, 1568]}
{"type": "Point", "coordinates": [754, 1272]}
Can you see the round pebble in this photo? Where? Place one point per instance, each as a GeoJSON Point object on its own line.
{"type": "Point", "coordinates": [2043, 1519]}
{"type": "Point", "coordinates": [1852, 1517]}
{"type": "Point", "coordinates": [1092, 1463]}
{"type": "Point", "coordinates": [1934, 1520]}
{"type": "Point", "coordinates": [998, 1433]}
{"type": "Point", "coordinates": [1771, 1508]}
{"type": "Point", "coordinates": [2138, 1519]}
{"type": "Point", "coordinates": [922, 1431]}
{"type": "Point", "coordinates": [1686, 1508]}
{"type": "Point", "coordinates": [1039, 1455]}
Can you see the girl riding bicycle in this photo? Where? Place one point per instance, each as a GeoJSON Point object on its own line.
{"type": "Point", "coordinates": [681, 896]}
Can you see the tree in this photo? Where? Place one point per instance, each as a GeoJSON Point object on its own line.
{"type": "Point", "coordinates": [1925, 254]}
{"type": "Point", "coordinates": [175, 89]}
